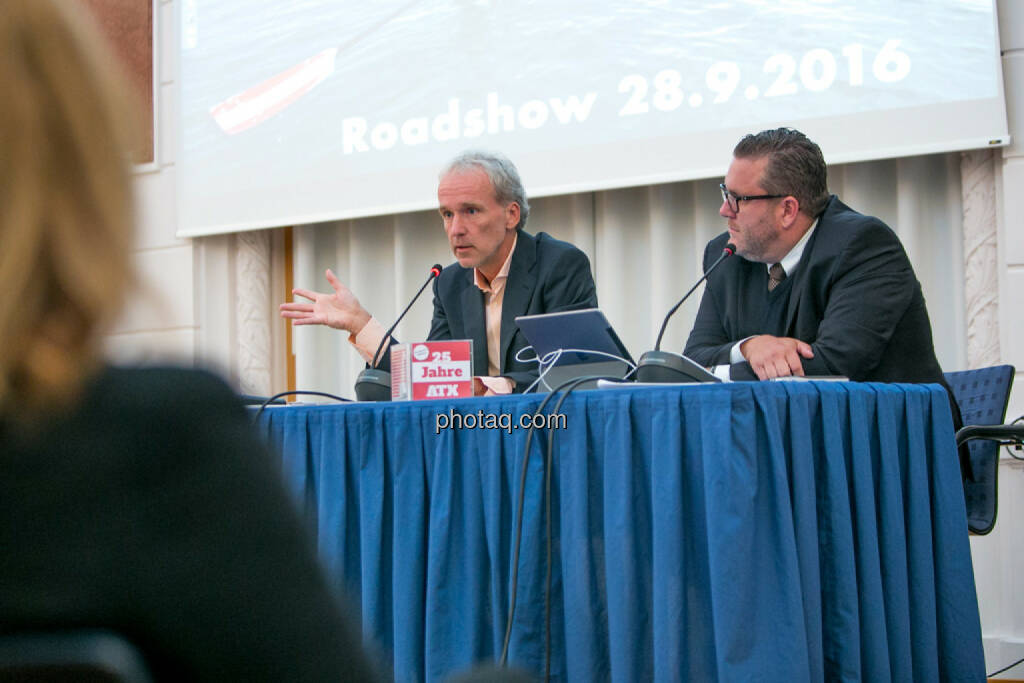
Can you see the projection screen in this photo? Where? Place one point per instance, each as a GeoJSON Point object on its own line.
{"type": "Point", "coordinates": [303, 111]}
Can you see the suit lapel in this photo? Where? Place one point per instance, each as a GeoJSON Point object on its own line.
{"type": "Point", "coordinates": [522, 279]}
{"type": "Point", "coordinates": [800, 277]}
{"type": "Point", "coordinates": [473, 317]}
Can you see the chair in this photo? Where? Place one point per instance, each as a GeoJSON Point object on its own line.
{"type": "Point", "coordinates": [91, 656]}
{"type": "Point", "coordinates": [982, 396]}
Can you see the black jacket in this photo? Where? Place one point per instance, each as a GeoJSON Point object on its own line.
{"type": "Point", "coordinates": [152, 509]}
{"type": "Point", "coordinates": [545, 276]}
{"type": "Point", "coordinates": [854, 298]}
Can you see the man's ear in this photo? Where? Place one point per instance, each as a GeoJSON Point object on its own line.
{"type": "Point", "coordinates": [511, 215]}
{"type": "Point", "coordinates": [789, 209]}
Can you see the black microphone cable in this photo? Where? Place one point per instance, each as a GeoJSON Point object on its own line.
{"type": "Point", "coordinates": [1005, 668]}
{"type": "Point", "coordinates": [513, 585]}
{"type": "Point", "coordinates": [569, 386]}
{"type": "Point", "coordinates": [273, 398]}
{"type": "Point", "coordinates": [517, 543]}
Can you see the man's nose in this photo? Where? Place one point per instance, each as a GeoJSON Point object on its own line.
{"type": "Point", "coordinates": [725, 211]}
{"type": "Point", "coordinates": [456, 225]}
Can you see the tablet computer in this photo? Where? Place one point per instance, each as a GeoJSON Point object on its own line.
{"type": "Point", "coordinates": [584, 331]}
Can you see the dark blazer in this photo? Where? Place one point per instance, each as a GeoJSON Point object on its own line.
{"type": "Point", "coordinates": [545, 276]}
{"type": "Point", "coordinates": [854, 299]}
{"type": "Point", "coordinates": [153, 509]}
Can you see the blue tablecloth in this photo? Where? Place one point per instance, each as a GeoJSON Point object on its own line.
{"type": "Point", "coordinates": [770, 531]}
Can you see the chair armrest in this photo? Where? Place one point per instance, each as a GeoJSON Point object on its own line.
{"type": "Point", "coordinates": [1010, 432]}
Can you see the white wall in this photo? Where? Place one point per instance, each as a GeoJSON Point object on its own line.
{"type": "Point", "coordinates": [185, 306]}
{"type": "Point", "coordinates": [161, 315]}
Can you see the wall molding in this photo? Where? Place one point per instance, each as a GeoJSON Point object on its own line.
{"type": "Point", "coordinates": [981, 257]}
{"type": "Point", "coordinates": [252, 311]}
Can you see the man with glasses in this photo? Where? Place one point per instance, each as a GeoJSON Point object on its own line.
{"type": "Point", "coordinates": [818, 289]}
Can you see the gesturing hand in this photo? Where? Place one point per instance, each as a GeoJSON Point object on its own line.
{"type": "Point", "coordinates": [340, 309]}
{"type": "Point", "coordinates": [771, 357]}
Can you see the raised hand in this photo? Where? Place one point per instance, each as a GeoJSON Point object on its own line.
{"type": "Point", "coordinates": [340, 309]}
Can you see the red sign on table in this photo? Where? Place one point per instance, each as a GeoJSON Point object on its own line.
{"type": "Point", "coordinates": [436, 369]}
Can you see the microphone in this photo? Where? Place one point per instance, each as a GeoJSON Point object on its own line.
{"type": "Point", "coordinates": [666, 366]}
{"type": "Point", "coordinates": [373, 384]}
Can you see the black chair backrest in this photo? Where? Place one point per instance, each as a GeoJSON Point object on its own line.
{"type": "Point", "coordinates": [91, 656]}
{"type": "Point", "coordinates": [982, 396]}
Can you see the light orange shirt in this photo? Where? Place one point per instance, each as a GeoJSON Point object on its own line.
{"type": "Point", "coordinates": [494, 295]}
{"type": "Point", "coordinates": [368, 339]}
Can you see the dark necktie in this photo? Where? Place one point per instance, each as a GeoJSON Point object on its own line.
{"type": "Point", "coordinates": [776, 274]}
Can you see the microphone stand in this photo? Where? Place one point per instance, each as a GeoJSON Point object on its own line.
{"type": "Point", "coordinates": [373, 384]}
{"type": "Point", "coordinates": [665, 366]}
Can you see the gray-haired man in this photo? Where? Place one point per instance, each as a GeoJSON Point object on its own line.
{"type": "Point", "coordinates": [501, 272]}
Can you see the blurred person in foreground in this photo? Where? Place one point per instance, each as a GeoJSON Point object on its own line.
{"type": "Point", "coordinates": [138, 501]}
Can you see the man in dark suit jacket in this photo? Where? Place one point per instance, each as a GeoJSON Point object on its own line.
{"type": "Point", "coordinates": [501, 272]}
{"type": "Point", "coordinates": [846, 301]}
{"type": "Point", "coordinates": [545, 275]}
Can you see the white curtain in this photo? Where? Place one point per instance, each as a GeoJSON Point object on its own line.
{"type": "Point", "coordinates": [645, 246]}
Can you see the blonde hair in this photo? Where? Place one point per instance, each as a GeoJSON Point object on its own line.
{"type": "Point", "coordinates": [65, 200]}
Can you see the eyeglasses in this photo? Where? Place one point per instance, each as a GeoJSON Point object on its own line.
{"type": "Point", "coordinates": [733, 199]}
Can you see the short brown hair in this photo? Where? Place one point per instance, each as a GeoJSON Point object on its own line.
{"type": "Point", "coordinates": [65, 199]}
{"type": "Point", "coordinates": [795, 166]}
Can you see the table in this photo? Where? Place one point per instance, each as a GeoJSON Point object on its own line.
{"type": "Point", "coordinates": [770, 531]}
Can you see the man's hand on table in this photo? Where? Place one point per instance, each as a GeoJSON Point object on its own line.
{"type": "Point", "coordinates": [771, 356]}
